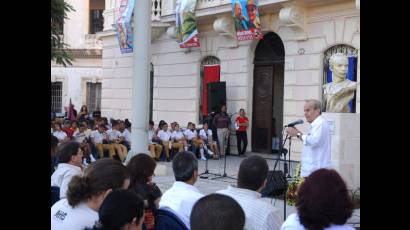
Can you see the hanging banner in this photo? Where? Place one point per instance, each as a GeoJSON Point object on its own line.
{"type": "Point", "coordinates": [123, 26]}
{"type": "Point", "coordinates": [186, 28]}
{"type": "Point", "coordinates": [246, 19]}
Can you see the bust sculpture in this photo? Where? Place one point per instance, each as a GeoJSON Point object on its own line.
{"type": "Point", "coordinates": [339, 92]}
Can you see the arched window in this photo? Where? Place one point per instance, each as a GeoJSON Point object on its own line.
{"type": "Point", "coordinates": [210, 72]}
{"type": "Point", "coordinates": [351, 53]}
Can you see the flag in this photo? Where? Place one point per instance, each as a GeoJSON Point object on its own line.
{"type": "Point", "coordinates": [123, 26]}
{"type": "Point", "coordinates": [245, 15]}
{"type": "Point", "coordinates": [70, 112]}
{"type": "Point", "coordinates": [186, 27]}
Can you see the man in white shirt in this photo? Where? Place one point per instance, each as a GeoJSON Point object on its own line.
{"type": "Point", "coordinates": [165, 135]}
{"type": "Point", "coordinates": [260, 214]}
{"type": "Point", "coordinates": [182, 196]}
{"type": "Point", "coordinates": [70, 158]}
{"type": "Point", "coordinates": [155, 149]}
{"type": "Point", "coordinates": [316, 143]}
{"type": "Point", "coordinates": [97, 137]}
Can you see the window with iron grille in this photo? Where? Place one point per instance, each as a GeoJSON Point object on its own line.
{"type": "Point", "coordinates": [96, 21]}
{"type": "Point", "coordinates": [56, 96]}
{"type": "Point", "coordinates": [93, 96]}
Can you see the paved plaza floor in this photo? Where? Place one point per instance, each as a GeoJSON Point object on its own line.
{"type": "Point", "coordinates": [208, 186]}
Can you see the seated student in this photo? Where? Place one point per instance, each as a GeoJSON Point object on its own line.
{"type": "Point", "coordinates": [323, 192]}
{"type": "Point", "coordinates": [165, 135]}
{"type": "Point", "coordinates": [181, 197]}
{"type": "Point", "coordinates": [206, 135]}
{"type": "Point", "coordinates": [155, 149]}
{"type": "Point", "coordinates": [85, 195]}
{"type": "Point", "coordinates": [260, 214]}
{"type": "Point", "coordinates": [70, 157]}
{"type": "Point", "coordinates": [161, 122]}
{"type": "Point", "coordinates": [141, 168]}
{"type": "Point", "coordinates": [97, 138]}
{"type": "Point", "coordinates": [177, 136]}
{"type": "Point", "coordinates": [130, 216]}
{"type": "Point", "coordinates": [217, 212]}
{"type": "Point", "coordinates": [191, 136]}
{"type": "Point", "coordinates": [114, 138]}
{"type": "Point", "coordinates": [67, 129]}
{"type": "Point", "coordinates": [59, 133]}
{"type": "Point", "coordinates": [81, 137]}
{"type": "Point", "coordinates": [126, 133]}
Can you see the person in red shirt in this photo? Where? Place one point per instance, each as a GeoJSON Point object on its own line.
{"type": "Point", "coordinates": [241, 136]}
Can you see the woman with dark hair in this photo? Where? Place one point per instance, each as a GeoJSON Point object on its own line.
{"type": "Point", "coordinates": [83, 114]}
{"type": "Point", "coordinates": [141, 168]}
{"type": "Point", "coordinates": [85, 194]}
{"type": "Point", "coordinates": [322, 202]}
{"type": "Point", "coordinates": [121, 210]}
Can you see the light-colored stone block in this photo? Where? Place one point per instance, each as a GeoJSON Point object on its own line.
{"type": "Point", "coordinates": [236, 79]}
{"type": "Point", "coordinates": [351, 26]}
{"type": "Point", "coordinates": [238, 66]}
{"type": "Point", "coordinates": [177, 93]}
{"type": "Point", "coordinates": [122, 94]}
{"type": "Point", "coordinates": [122, 83]}
{"type": "Point", "coordinates": [122, 62]}
{"type": "Point", "coordinates": [234, 106]}
{"type": "Point", "coordinates": [329, 31]}
{"type": "Point", "coordinates": [306, 92]}
{"type": "Point", "coordinates": [236, 93]}
{"type": "Point", "coordinates": [178, 81]}
{"type": "Point", "coordinates": [288, 93]}
{"type": "Point", "coordinates": [290, 78]}
{"type": "Point", "coordinates": [123, 72]}
{"type": "Point", "coordinates": [181, 117]}
{"type": "Point", "coordinates": [176, 105]}
{"type": "Point", "coordinates": [108, 53]}
{"type": "Point", "coordinates": [177, 58]}
{"type": "Point", "coordinates": [308, 77]}
{"type": "Point", "coordinates": [180, 69]}
{"type": "Point", "coordinates": [241, 52]}
{"type": "Point", "coordinates": [170, 46]}
{"type": "Point", "coordinates": [291, 47]}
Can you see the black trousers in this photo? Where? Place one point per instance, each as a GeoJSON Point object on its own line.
{"type": "Point", "coordinates": [241, 136]}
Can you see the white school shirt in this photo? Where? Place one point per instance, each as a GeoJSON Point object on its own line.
{"type": "Point", "coordinates": [127, 135]}
{"type": "Point", "coordinates": [151, 134]}
{"type": "Point", "coordinates": [181, 198]}
{"type": "Point", "coordinates": [177, 135]}
{"type": "Point", "coordinates": [97, 137]}
{"type": "Point", "coordinates": [60, 135]}
{"type": "Point", "coordinates": [203, 135]}
{"type": "Point", "coordinates": [65, 217]}
{"type": "Point", "coordinates": [316, 147]}
{"type": "Point", "coordinates": [259, 214]}
{"type": "Point", "coordinates": [62, 176]}
{"type": "Point", "coordinates": [79, 137]}
{"type": "Point", "coordinates": [189, 134]}
{"type": "Point", "coordinates": [113, 134]}
{"type": "Point", "coordinates": [164, 135]}
{"type": "Point", "coordinates": [293, 223]}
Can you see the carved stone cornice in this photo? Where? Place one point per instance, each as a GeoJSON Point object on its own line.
{"type": "Point", "coordinates": [85, 53]}
{"type": "Point", "coordinates": [224, 26]}
{"type": "Point", "coordinates": [294, 17]}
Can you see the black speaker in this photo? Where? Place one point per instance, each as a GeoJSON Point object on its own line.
{"type": "Point", "coordinates": [276, 184]}
{"type": "Point", "coordinates": [216, 95]}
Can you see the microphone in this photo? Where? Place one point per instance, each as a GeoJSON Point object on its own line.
{"type": "Point", "coordinates": [298, 122]}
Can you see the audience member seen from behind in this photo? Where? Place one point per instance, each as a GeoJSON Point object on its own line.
{"type": "Point", "coordinates": [181, 197]}
{"type": "Point", "coordinates": [141, 168]}
{"type": "Point", "coordinates": [260, 214]}
{"type": "Point", "coordinates": [54, 143]}
{"type": "Point", "coordinates": [70, 157]}
{"type": "Point", "coordinates": [217, 212]}
{"type": "Point", "coordinates": [122, 210]}
{"type": "Point", "coordinates": [85, 195]}
{"type": "Point", "coordinates": [323, 202]}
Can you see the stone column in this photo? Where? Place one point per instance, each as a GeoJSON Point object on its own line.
{"type": "Point", "coordinates": [140, 83]}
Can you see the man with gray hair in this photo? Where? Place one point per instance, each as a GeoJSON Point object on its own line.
{"type": "Point", "coordinates": [182, 196]}
{"type": "Point", "coordinates": [316, 143]}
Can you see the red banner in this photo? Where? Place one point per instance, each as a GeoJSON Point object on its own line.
{"type": "Point", "coordinates": [211, 74]}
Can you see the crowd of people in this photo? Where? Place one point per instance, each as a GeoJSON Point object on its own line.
{"type": "Point", "coordinates": [109, 195]}
{"type": "Point", "coordinates": [99, 138]}
{"type": "Point", "coordinates": [98, 192]}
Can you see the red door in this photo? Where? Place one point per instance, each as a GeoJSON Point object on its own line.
{"type": "Point", "coordinates": [211, 74]}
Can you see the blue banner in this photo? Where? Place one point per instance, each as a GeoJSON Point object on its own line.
{"type": "Point", "coordinates": [123, 26]}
